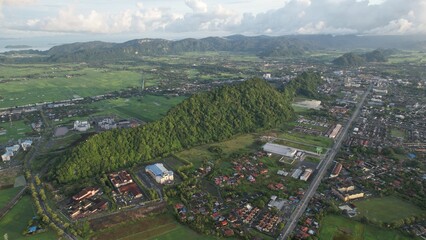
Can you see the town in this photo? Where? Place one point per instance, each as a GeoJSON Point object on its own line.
{"type": "Point", "coordinates": [350, 160]}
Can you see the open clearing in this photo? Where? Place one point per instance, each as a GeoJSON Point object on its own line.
{"type": "Point", "coordinates": [162, 226]}
{"type": "Point", "coordinates": [196, 155]}
{"type": "Point", "coordinates": [387, 209]}
{"type": "Point", "coordinates": [16, 130]}
{"type": "Point", "coordinates": [147, 108]}
{"type": "Point", "coordinates": [337, 227]}
{"type": "Point", "coordinates": [17, 219]}
{"type": "Point", "coordinates": [7, 194]}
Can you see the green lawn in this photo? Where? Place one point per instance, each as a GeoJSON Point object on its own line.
{"type": "Point", "coordinates": [147, 108]}
{"type": "Point", "coordinates": [337, 227]}
{"type": "Point", "coordinates": [15, 222]}
{"type": "Point", "coordinates": [15, 131]}
{"type": "Point", "coordinates": [7, 194]}
{"type": "Point", "coordinates": [387, 209]}
{"type": "Point", "coordinates": [395, 132]}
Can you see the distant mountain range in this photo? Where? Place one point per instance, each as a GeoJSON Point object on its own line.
{"type": "Point", "coordinates": [263, 46]}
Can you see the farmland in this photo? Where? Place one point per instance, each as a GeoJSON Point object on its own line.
{"type": "Point", "coordinates": [51, 83]}
{"type": "Point", "coordinates": [337, 227]}
{"type": "Point", "coordinates": [15, 221]}
{"type": "Point", "coordinates": [161, 227]}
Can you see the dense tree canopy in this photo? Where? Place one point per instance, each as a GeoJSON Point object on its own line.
{"type": "Point", "coordinates": [202, 118]}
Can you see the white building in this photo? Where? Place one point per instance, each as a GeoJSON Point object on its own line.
{"type": "Point", "coordinates": [10, 152]}
{"type": "Point", "coordinates": [159, 173]}
{"type": "Point", "coordinates": [305, 176]}
{"type": "Point", "coordinates": [26, 144]}
{"type": "Point", "coordinates": [280, 150]}
{"type": "Point", "coordinates": [81, 126]}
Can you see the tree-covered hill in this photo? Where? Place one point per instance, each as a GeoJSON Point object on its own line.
{"type": "Point", "coordinates": [355, 59]}
{"type": "Point", "coordinates": [202, 118]}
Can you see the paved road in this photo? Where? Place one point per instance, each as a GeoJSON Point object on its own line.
{"type": "Point", "coordinates": [33, 153]}
{"type": "Point", "coordinates": [300, 209]}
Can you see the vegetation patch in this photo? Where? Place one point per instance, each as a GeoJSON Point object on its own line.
{"type": "Point", "coordinates": [387, 209]}
{"type": "Point", "coordinates": [15, 223]}
{"type": "Point", "coordinates": [7, 194]}
{"type": "Point", "coordinates": [340, 228]}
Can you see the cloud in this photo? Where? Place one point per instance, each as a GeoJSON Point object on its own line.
{"type": "Point", "coordinates": [197, 6]}
{"type": "Point", "coordinates": [193, 17]}
{"type": "Point", "coordinates": [338, 17]}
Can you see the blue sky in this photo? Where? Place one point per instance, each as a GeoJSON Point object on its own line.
{"type": "Point", "coordinates": [121, 19]}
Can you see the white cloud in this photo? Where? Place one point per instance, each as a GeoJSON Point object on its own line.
{"type": "Point", "coordinates": [204, 16]}
{"type": "Point", "coordinates": [197, 6]}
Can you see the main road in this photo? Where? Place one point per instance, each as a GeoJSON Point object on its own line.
{"type": "Point", "coordinates": [328, 159]}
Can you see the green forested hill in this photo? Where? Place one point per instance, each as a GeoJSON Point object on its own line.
{"type": "Point", "coordinates": [202, 118]}
{"type": "Point", "coordinates": [355, 59]}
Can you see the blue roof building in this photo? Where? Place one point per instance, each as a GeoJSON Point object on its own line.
{"type": "Point", "coordinates": [159, 173]}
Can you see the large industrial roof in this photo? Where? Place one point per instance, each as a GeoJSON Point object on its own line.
{"type": "Point", "coordinates": [279, 149]}
{"type": "Point", "coordinates": [157, 169]}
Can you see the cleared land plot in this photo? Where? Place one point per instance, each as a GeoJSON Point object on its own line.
{"type": "Point", "coordinates": [196, 155]}
{"type": "Point", "coordinates": [338, 227]}
{"type": "Point", "coordinates": [17, 219]}
{"type": "Point", "coordinates": [14, 131]}
{"type": "Point", "coordinates": [387, 209]}
{"type": "Point", "coordinates": [161, 226]}
{"type": "Point", "coordinates": [7, 194]}
{"type": "Point", "coordinates": [147, 108]}
{"type": "Point", "coordinates": [7, 177]}
{"type": "Point", "coordinates": [307, 139]}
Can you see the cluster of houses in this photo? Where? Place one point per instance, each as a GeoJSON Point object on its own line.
{"type": "Point", "coordinates": [87, 202]}
{"type": "Point", "coordinates": [267, 222]}
{"type": "Point", "coordinates": [12, 150]}
{"type": "Point", "coordinates": [247, 213]}
{"type": "Point", "coordinates": [244, 168]}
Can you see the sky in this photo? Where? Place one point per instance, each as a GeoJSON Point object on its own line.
{"type": "Point", "coordinates": [175, 19]}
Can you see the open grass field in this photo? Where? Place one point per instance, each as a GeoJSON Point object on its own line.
{"type": "Point", "coordinates": [241, 143]}
{"type": "Point", "coordinates": [317, 141]}
{"type": "Point", "coordinates": [17, 219]}
{"type": "Point", "coordinates": [50, 82]}
{"type": "Point", "coordinates": [387, 209]}
{"type": "Point", "coordinates": [160, 227]}
{"type": "Point", "coordinates": [340, 228]}
{"type": "Point", "coordinates": [398, 133]}
{"type": "Point", "coordinates": [15, 131]}
{"type": "Point", "coordinates": [7, 194]}
{"type": "Point", "coordinates": [148, 108]}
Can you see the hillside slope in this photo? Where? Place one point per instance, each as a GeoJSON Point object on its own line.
{"type": "Point", "coordinates": [202, 118]}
